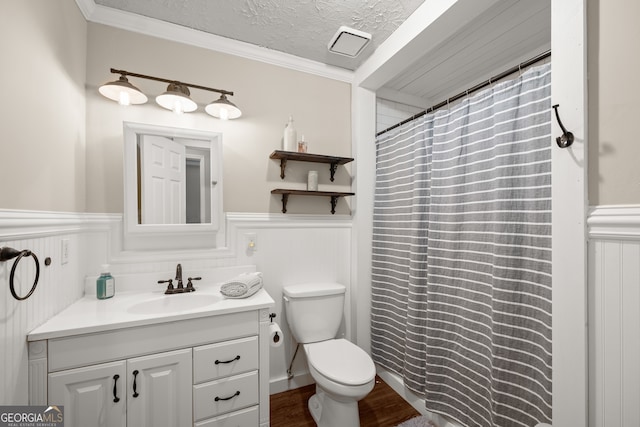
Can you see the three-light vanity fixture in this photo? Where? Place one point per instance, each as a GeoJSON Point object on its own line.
{"type": "Point", "coordinates": [176, 98]}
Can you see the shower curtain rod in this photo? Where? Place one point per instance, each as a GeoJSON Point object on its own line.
{"type": "Point", "coordinates": [469, 91]}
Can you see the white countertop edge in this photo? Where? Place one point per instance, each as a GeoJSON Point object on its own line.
{"type": "Point", "coordinates": [79, 319]}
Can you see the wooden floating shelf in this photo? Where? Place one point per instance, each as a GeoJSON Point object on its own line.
{"type": "Point", "coordinates": [334, 195]}
{"type": "Point", "coordinates": [333, 161]}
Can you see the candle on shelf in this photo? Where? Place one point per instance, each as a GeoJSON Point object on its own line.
{"type": "Point", "coordinates": [312, 181]}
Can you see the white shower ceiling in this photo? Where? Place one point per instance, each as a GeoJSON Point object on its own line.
{"type": "Point", "coordinates": [506, 34]}
{"type": "Point", "coordinates": [302, 27]}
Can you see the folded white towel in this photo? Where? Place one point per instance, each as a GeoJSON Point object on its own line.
{"type": "Point", "coordinates": [242, 286]}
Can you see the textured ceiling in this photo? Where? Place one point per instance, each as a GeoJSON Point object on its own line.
{"type": "Point", "coordinates": [302, 27]}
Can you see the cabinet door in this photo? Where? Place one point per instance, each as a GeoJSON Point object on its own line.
{"type": "Point", "coordinates": [92, 396]}
{"type": "Point", "coordinates": [159, 389]}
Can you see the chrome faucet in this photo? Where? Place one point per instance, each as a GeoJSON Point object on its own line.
{"type": "Point", "coordinates": [179, 277]}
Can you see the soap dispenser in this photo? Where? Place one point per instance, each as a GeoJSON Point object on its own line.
{"type": "Point", "coordinates": [106, 284]}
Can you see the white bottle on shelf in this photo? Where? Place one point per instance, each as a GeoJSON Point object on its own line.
{"type": "Point", "coordinates": [290, 137]}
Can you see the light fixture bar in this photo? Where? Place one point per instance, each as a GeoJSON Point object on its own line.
{"type": "Point", "coordinates": [158, 79]}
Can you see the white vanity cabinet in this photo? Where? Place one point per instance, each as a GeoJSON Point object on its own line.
{"type": "Point", "coordinates": [153, 391]}
{"type": "Point", "coordinates": [210, 371]}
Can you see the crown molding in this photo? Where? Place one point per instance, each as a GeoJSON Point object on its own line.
{"type": "Point", "coordinates": [87, 7]}
{"type": "Point", "coordinates": [168, 31]}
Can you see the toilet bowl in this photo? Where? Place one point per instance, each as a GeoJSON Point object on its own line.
{"type": "Point", "coordinates": [343, 372]}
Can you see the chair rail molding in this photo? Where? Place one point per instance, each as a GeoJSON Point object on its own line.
{"type": "Point", "coordinates": [23, 224]}
{"type": "Point", "coordinates": [619, 222]}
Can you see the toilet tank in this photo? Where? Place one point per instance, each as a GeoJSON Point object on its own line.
{"type": "Point", "coordinates": [314, 310]}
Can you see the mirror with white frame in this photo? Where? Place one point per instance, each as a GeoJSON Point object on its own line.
{"type": "Point", "coordinates": [172, 185]}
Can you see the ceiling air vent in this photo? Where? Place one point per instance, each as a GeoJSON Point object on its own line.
{"type": "Point", "coordinates": [349, 42]}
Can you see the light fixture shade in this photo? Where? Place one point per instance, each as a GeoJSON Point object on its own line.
{"type": "Point", "coordinates": [123, 92]}
{"type": "Point", "coordinates": [223, 109]}
{"type": "Point", "coordinates": [177, 99]}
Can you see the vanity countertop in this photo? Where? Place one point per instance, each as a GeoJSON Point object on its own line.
{"type": "Point", "coordinates": [129, 309]}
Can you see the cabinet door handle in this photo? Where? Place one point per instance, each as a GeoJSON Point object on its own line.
{"type": "Point", "coordinates": [135, 375]}
{"type": "Point", "coordinates": [237, 393]}
{"type": "Point", "coordinates": [228, 361]}
{"type": "Point", "coordinates": [116, 399]}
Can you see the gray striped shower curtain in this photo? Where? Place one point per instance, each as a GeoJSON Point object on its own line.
{"type": "Point", "coordinates": [461, 269]}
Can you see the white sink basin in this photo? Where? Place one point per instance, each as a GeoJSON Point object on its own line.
{"type": "Point", "coordinates": [174, 303]}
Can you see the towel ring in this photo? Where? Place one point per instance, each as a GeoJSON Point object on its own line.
{"type": "Point", "coordinates": [10, 253]}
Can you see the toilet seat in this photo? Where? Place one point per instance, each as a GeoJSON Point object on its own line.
{"type": "Point", "coordinates": [341, 361]}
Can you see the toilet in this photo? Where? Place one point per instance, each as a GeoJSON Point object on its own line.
{"type": "Point", "coordinates": [343, 372]}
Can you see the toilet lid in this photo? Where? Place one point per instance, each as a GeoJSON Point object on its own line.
{"type": "Point", "coordinates": [341, 361]}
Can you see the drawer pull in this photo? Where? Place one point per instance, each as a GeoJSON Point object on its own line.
{"type": "Point", "coordinates": [135, 392]}
{"type": "Point", "coordinates": [116, 399]}
{"type": "Point", "coordinates": [228, 361]}
{"type": "Point", "coordinates": [237, 393]}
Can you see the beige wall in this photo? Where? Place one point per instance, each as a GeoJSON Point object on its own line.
{"type": "Point", "coordinates": [44, 44]}
{"type": "Point", "coordinates": [267, 94]}
{"type": "Point", "coordinates": [43, 48]}
{"type": "Point", "coordinates": [62, 142]}
{"type": "Point", "coordinates": [614, 107]}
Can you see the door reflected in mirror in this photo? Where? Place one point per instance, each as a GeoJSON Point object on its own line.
{"type": "Point", "coordinates": [174, 180]}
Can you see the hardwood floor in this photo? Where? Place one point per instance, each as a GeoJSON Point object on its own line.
{"type": "Point", "coordinates": [383, 407]}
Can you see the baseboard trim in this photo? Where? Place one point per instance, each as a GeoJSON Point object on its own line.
{"type": "Point", "coordinates": [281, 384]}
{"type": "Point", "coordinates": [395, 382]}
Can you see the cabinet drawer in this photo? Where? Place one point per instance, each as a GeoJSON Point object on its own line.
{"type": "Point", "coordinates": [244, 418]}
{"type": "Point", "coordinates": [83, 350]}
{"type": "Point", "coordinates": [232, 393]}
{"type": "Point", "coordinates": [223, 359]}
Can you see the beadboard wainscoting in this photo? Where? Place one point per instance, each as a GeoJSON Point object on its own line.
{"type": "Point", "coordinates": [287, 249]}
{"type": "Point", "coordinates": [60, 284]}
{"type": "Point", "coordinates": [614, 316]}
{"type": "Point", "coordinates": [290, 250]}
